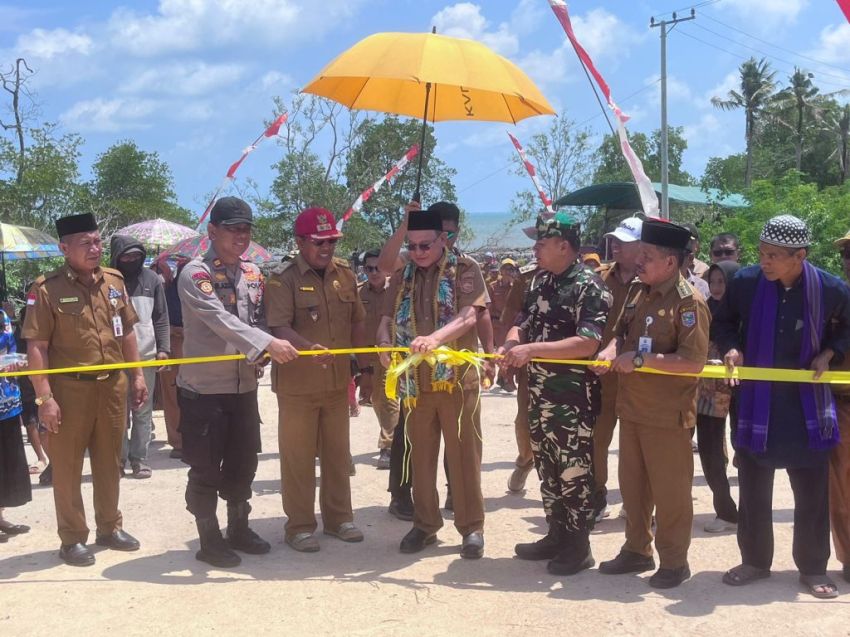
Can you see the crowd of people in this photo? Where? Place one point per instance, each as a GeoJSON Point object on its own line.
{"type": "Point", "coordinates": [655, 307]}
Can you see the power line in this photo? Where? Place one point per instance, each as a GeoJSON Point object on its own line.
{"type": "Point", "coordinates": [764, 53]}
{"type": "Point", "coordinates": [688, 8]}
{"type": "Point", "coordinates": [775, 46]}
{"type": "Point", "coordinates": [744, 57]}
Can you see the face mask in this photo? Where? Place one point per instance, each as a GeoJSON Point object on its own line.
{"type": "Point", "coordinates": [130, 268]}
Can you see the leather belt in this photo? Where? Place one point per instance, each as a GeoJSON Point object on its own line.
{"type": "Point", "coordinates": [100, 376]}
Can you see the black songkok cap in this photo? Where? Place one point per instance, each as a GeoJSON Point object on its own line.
{"type": "Point", "coordinates": [425, 220]}
{"type": "Point", "coordinates": [76, 223]}
{"type": "Point", "coordinates": [665, 234]}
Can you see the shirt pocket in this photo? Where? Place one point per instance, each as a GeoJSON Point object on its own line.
{"type": "Point", "coordinates": [308, 308]}
{"type": "Point", "coordinates": [664, 334]}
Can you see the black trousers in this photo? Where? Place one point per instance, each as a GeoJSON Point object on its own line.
{"type": "Point", "coordinates": [398, 487]}
{"type": "Point", "coordinates": [711, 441]}
{"type": "Point", "coordinates": [221, 438]}
{"type": "Point", "coordinates": [811, 515]}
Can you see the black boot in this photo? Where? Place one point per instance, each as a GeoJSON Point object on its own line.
{"type": "Point", "coordinates": [239, 535]}
{"type": "Point", "coordinates": [545, 548]}
{"type": "Point", "coordinates": [214, 550]}
{"type": "Point", "coordinates": [573, 556]}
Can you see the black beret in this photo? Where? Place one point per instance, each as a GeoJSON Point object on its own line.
{"type": "Point", "coordinates": [425, 220]}
{"type": "Point", "coordinates": [76, 223]}
{"type": "Point", "coordinates": [665, 234]}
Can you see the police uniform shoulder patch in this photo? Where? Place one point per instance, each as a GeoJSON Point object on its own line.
{"type": "Point", "coordinates": [688, 315]}
{"type": "Point", "coordinates": [684, 289]}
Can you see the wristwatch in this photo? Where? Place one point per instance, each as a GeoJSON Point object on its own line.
{"type": "Point", "coordinates": [368, 369]}
{"type": "Point", "coordinates": [40, 400]}
{"type": "Point", "coordinates": [637, 361]}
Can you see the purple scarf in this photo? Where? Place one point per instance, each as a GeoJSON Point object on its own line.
{"type": "Point", "coordinates": [816, 398]}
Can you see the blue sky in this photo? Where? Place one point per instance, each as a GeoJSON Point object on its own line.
{"type": "Point", "coordinates": [194, 80]}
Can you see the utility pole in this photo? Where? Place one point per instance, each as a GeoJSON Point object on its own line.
{"type": "Point", "coordinates": [665, 160]}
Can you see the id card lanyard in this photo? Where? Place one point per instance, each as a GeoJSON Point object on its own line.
{"type": "Point", "coordinates": [645, 342]}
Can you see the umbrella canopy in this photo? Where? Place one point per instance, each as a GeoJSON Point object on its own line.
{"type": "Point", "coordinates": [158, 233]}
{"type": "Point", "coordinates": [624, 196]}
{"type": "Point", "coordinates": [23, 242]}
{"type": "Point", "coordinates": [390, 72]}
{"type": "Point", "coordinates": [198, 245]}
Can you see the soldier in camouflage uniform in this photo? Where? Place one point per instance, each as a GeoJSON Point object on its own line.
{"type": "Point", "coordinates": [563, 318]}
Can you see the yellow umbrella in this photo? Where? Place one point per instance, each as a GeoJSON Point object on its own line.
{"type": "Point", "coordinates": [398, 72]}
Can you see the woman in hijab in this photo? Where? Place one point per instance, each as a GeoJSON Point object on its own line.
{"type": "Point", "coordinates": [712, 409]}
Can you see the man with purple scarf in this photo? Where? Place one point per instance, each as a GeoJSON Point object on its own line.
{"type": "Point", "coordinates": [784, 313]}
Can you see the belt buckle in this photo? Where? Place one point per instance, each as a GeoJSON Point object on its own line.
{"type": "Point", "coordinates": [102, 376]}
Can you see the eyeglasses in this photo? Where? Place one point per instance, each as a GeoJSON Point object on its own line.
{"type": "Point", "coordinates": [371, 268]}
{"type": "Point", "coordinates": [420, 247]}
{"type": "Point", "coordinates": [724, 252]}
{"type": "Point", "coordinates": [320, 242]}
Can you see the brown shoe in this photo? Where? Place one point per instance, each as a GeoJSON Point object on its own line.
{"type": "Point", "coordinates": [347, 532]}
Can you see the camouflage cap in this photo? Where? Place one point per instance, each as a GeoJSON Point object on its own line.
{"type": "Point", "coordinates": [561, 226]}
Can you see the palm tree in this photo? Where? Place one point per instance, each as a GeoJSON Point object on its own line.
{"type": "Point", "coordinates": [757, 85]}
{"type": "Point", "coordinates": [800, 98]}
{"type": "Point", "coordinates": [841, 126]}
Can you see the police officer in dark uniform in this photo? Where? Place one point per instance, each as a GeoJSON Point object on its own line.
{"type": "Point", "coordinates": [221, 297]}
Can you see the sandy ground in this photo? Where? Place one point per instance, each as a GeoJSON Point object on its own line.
{"type": "Point", "coordinates": [371, 588]}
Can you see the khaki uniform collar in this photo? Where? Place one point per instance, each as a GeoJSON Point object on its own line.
{"type": "Point", "coordinates": [665, 287]}
{"type": "Point", "coordinates": [72, 274]}
{"type": "Point", "coordinates": [303, 266]}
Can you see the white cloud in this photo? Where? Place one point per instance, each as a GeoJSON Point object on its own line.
{"type": "Point", "coordinates": [41, 44]}
{"type": "Point", "coordinates": [677, 90]}
{"type": "Point", "coordinates": [765, 14]}
{"type": "Point", "coordinates": [732, 82]}
{"type": "Point", "coordinates": [465, 20]}
{"type": "Point", "coordinates": [101, 115]}
{"type": "Point", "coordinates": [276, 81]}
{"type": "Point", "coordinates": [833, 45]}
{"type": "Point", "coordinates": [189, 79]}
{"type": "Point", "coordinates": [188, 25]}
{"type": "Point", "coordinates": [704, 132]}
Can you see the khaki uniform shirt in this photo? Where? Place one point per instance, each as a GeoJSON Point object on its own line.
{"type": "Point", "coordinates": [515, 300]}
{"type": "Point", "coordinates": [77, 320]}
{"type": "Point", "coordinates": [679, 325]}
{"type": "Point", "coordinates": [499, 291]}
{"type": "Point", "coordinates": [373, 303]}
{"type": "Point", "coordinates": [322, 310]}
{"type": "Point", "coordinates": [469, 291]}
{"type": "Point", "coordinates": [222, 314]}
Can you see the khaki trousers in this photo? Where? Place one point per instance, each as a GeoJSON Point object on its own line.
{"type": "Point", "coordinates": [309, 426]}
{"type": "Point", "coordinates": [385, 409]}
{"type": "Point", "coordinates": [839, 484]}
{"type": "Point", "coordinates": [603, 433]}
{"type": "Point", "coordinates": [656, 472]}
{"type": "Point", "coordinates": [168, 390]}
{"type": "Point", "coordinates": [436, 414]}
{"type": "Point", "coordinates": [94, 419]}
{"type": "Point", "coordinates": [525, 456]}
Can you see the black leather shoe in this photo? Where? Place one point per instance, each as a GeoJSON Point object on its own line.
{"type": "Point", "coordinates": [76, 554]}
{"type": "Point", "coordinates": [402, 509]}
{"type": "Point", "coordinates": [416, 540]}
{"type": "Point", "coordinates": [473, 546]}
{"type": "Point", "coordinates": [570, 562]}
{"type": "Point", "coordinates": [118, 541]}
{"type": "Point", "coordinates": [627, 562]}
{"type": "Point", "coordinates": [669, 577]}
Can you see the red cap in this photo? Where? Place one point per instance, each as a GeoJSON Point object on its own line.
{"type": "Point", "coordinates": [316, 223]}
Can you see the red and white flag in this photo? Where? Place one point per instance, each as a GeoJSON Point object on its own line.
{"type": "Point", "coordinates": [271, 131]}
{"type": "Point", "coordinates": [647, 193]}
{"type": "Point", "coordinates": [357, 206]}
{"type": "Point", "coordinates": [532, 172]}
{"type": "Point", "coordinates": [845, 7]}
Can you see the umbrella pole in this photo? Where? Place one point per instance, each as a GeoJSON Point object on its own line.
{"type": "Point", "coordinates": [417, 196]}
{"type": "Point", "coordinates": [4, 294]}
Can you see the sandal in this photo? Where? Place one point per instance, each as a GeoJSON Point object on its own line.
{"type": "Point", "coordinates": [303, 542]}
{"type": "Point", "coordinates": [820, 586]}
{"type": "Point", "coordinates": [38, 467]}
{"type": "Point", "coordinates": [744, 574]}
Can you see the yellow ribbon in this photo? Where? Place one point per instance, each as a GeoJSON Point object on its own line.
{"type": "Point", "coordinates": [455, 357]}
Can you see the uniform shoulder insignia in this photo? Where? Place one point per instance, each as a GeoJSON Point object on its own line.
{"type": "Point", "coordinates": [342, 263]}
{"type": "Point", "coordinates": [113, 272]}
{"type": "Point", "coordinates": [48, 275]}
{"type": "Point", "coordinates": [274, 269]}
{"type": "Point", "coordinates": [684, 289]}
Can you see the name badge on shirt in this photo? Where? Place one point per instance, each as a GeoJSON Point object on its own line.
{"type": "Point", "coordinates": [645, 345]}
{"type": "Point", "coordinates": [117, 326]}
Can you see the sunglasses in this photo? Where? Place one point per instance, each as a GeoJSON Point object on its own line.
{"type": "Point", "coordinates": [451, 234]}
{"type": "Point", "coordinates": [320, 242]}
{"type": "Point", "coordinates": [724, 252]}
{"type": "Point", "coordinates": [371, 268]}
{"type": "Point", "coordinates": [420, 247]}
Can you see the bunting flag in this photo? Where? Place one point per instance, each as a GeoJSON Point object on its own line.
{"type": "Point", "coordinates": [647, 193]}
{"type": "Point", "coordinates": [845, 7]}
{"type": "Point", "coordinates": [357, 206]}
{"type": "Point", "coordinates": [271, 131]}
{"type": "Point", "coordinates": [532, 172]}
